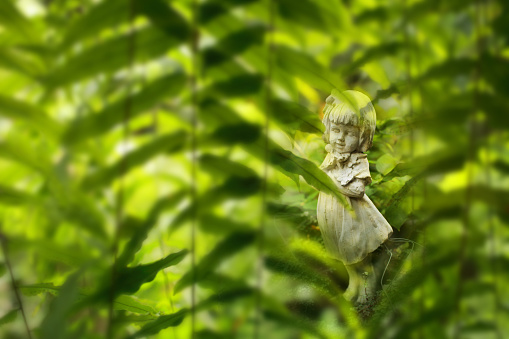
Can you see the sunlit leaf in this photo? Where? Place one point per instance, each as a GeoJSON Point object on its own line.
{"type": "Point", "coordinates": [117, 112]}
{"type": "Point", "coordinates": [165, 144]}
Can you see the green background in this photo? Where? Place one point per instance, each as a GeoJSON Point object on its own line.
{"type": "Point", "coordinates": [159, 167]}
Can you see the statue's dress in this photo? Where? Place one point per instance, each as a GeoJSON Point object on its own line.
{"type": "Point", "coordinates": [347, 237]}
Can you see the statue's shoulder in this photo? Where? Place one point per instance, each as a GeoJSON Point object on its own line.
{"type": "Point", "coordinates": [328, 162]}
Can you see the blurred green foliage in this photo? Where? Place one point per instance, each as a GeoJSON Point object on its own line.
{"type": "Point", "coordinates": [159, 170]}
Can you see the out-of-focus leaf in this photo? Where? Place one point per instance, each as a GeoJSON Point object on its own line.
{"type": "Point", "coordinates": [136, 319]}
{"type": "Point", "coordinates": [161, 323]}
{"type": "Point", "coordinates": [211, 10]}
{"type": "Point", "coordinates": [438, 162]}
{"type": "Point", "coordinates": [301, 65]}
{"type": "Point", "coordinates": [54, 324]}
{"type": "Point", "coordinates": [10, 196]}
{"type": "Point", "coordinates": [9, 317]}
{"type": "Point", "coordinates": [237, 86]}
{"type": "Point", "coordinates": [222, 166]}
{"type": "Point", "coordinates": [449, 69]}
{"type": "Point", "coordinates": [211, 223]}
{"type": "Point", "coordinates": [222, 251]}
{"type": "Point", "coordinates": [213, 112]}
{"type": "Point", "coordinates": [305, 13]}
{"type": "Point", "coordinates": [16, 60]}
{"type": "Point", "coordinates": [208, 334]}
{"type": "Point", "coordinates": [292, 117]}
{"type": "Point", "coordinates": [376, 53]}
{"type": "Point", "coordinates": [123, 302]}
{"type": "Point", "coordinates": [20, 110]}
{"type": "Point", "coordinates": [35, 289]}
{"type": "Point", "coordinates": [292, 321]}
{"type": "Point", "coordinates": [225, 297]}
{"type": "Point", "coordinates": [395, 215]}
{"type": "Point", "coordinates": [140, 234]}
{"type": "Point", "coordinates": [298, 271]}
{"type": "Point", "coordinates": [15, 21]}
{"type": "Point", "coordinates": [166, 144]}
{"type": "Point", "coordinates": [114, 114]}
{"type": "Point", "coordinates": [385, 164]}
{"type": "Point", "coordinates": [2, 269]}
{"type": "Point", "coordinates": [164, 17]}
{"type": "Point", "coordinates": [103, 15]}
{"type": "Point", "coordinates": [107, 14]}
{"type": "Point", "coordinates": [233, 44]}
{"type": "Point", "coordinates": [230, 134]}
{"type": "Point", "coordinates": [233, 188]}
{"type": "Point", "coordinates": [127, 303]}
{"type": "Point", "coordinates": [112, 55]}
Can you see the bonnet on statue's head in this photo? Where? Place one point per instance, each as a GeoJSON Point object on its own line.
{"type": "Point", "coordinates": [351, 108]}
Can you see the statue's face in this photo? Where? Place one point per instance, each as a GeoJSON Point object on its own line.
{"type": "Point", "coordinates": [343, 138]}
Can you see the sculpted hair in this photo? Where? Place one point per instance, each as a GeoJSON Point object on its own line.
{"type": "Point", "coordinates": [350, 108]}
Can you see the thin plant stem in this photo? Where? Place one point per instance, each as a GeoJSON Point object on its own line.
{"type": "Point", "coordinates": [3, 242]}
{"type": "Point", "coordinates": [194, 41]}
{"type": "Point", "coordinates": [119, 208]}
{"type": "Point", "coordinates": [261, 229]}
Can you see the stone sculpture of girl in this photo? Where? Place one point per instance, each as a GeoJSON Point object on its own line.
{"type": "Point", "coordinates": [350, 121]}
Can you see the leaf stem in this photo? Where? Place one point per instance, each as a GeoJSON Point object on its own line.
{"type": "Point", "coordinates": [3, 242]}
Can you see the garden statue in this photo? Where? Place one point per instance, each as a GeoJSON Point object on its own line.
{"type": "Point", "coordinates": [351, 235]}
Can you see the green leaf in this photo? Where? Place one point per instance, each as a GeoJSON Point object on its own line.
{"type": "Point", "coordinates": [222, 166]}
{"type": "Point", "coordinates": [313, 175]}
{"type": "Point", "coordinates": [54, 324]}
{"type": "Point", "coordinates": [296, 270]}
{"type": "Point", "coordinates": [222, 251]}
{"type": "Point", "coordinates": [210, 223]}
{"type": "Point", "coordinates": [162, 322]}
{"type": "Point", "coordinates": [291, 116]}
{"type": "Point", "coordinates": [101, 16]}
{"type": "Point", "coordinates": [237, 86]}
{"type": "Point", "coordinates": [385, 164]}
{"type": "Point", "coordinates": [112, 55]}
{"type": "Point", "coordinates": [107, 14]}
{"type": "Point", "coordinates": [226, 297]}
{"type": "Point", "coordinates": [165, 144]}
{"type": "Point", "coordinates": [233, 44]}
{"type": "Point", "coordinates": [376, 53]}
{"type": "Point", "coordinates": [17, 24]}
{"type": "Point", "coordinates": [9, 317]}
{"type": "Point", "coordinates": [127, 303]}
{"type": "Point", "coordinates": [303, 12]}
{"type": "Point", "coordinates": [302, 65]}
{"type": "Point", "coordinates": [114, 114]}
{"type": "Point", "coordinates": [128, 280]}
{"type": "Point", "coordinates": [23, 111]}
{"type": "Point", "coordinates": [229, 134]}
{"type": "Point", "coordinates": [15, 60]}
{"type": "Point", "coordinates": [10, 196]}
{"type": "Point", "coordinates": [293, 322]}
{"type": "Point", "coordinates": [135, 242]}
{"type": "Point", "coordinates": [234, 187]}
{"type": "Point", "coordinates": [36, 289]}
